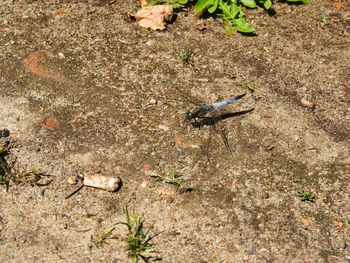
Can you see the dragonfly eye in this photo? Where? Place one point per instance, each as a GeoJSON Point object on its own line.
{"type": "Point", "coordinates": [189, 115]}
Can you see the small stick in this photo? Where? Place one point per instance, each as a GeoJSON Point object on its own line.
{"type": "Point", "coordinates": [74, 192]}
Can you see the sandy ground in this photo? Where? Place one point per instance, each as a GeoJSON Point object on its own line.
{"type": "Point", "coordinates": [83, 89]}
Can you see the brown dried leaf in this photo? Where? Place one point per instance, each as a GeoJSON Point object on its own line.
{"type": "Point", "coordinates": [154, 17]}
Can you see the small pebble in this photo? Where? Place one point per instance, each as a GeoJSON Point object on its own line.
{"type": "Point", "coordinates": [163, 127]}
{"type": "Point", "coordinates": [152, 102]}
{"type": "Point", "coordinates": [72, 180]}
{"type": "Point", "coordinates": [340, 243]}
{"type": "Point", "coordinates": [243, 122]}
{"type": "Point", "coordinates": [60, 55]}
{"type": "Point", "coordinates": [307, 103]}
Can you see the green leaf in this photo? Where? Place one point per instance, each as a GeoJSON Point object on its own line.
{"type": "Point", "coordinates": [201, 5]}
{"type": "Point", "coordinates": [267, 4]}
{"type": "Point", "coordinates": [249, 3]}
{"type": "Point", "coordinates": [213, 7]}
{"type": "Point", "coordinates": [241, 25]}
{"type": "Point", "coordinates": [295, 1]}
{"type": "Point", "coordinates": [229, 11]}
{"type": "Point", "coordinates": [225, 8]}
{"type": "Point", "coordinates": [234, 10]}
{"type": "Point", "coordinates": [182, 2]}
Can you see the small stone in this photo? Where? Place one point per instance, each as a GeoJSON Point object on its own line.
{"type": "Point", "coordinates": [50, 124]}
{"type": "Point", "coordinates": [61, 55]}
{"type": "Point", "coordinates": [152, 102]}
{"type": "Point", "coordinates": [143, 185]}
{"type": "Point", "coordinates": [261, 226]}
{"type": "Point", "coordinates": [201, 26]}
{"type": "Point", "coordinates": [243, 122]}
{"type": "Point", "coordinates": [163, 127]}
{"type": "Point", "coordinates": [109, 183]}
{"type": "Point", "coordinates": [307, 103]}
{"type": "Point", "coordinates": [72, 180]}
{"type": "Point", "coordinates": [265, 195]}
{"type": "Point", "coordinates": [340, 243]}
{"type": "Point", "coordinates": [234, 185]}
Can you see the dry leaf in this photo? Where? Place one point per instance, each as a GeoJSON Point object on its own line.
{"type": "Point", "coordinates": [338, 5]}
{"type": "Point", "coordinates": [337, 224]}
{"type": "Point", "coordinates": [154, 17]}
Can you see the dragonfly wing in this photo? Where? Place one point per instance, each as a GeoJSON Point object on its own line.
{"type": "Point", "coordinates": [218, 126]}
{"type": "Point", "coordinates": [221, 130]}
{"type": "Point", "coordinates": [207, 144]}
{"type": "Point", "coordinates": [187, 97]}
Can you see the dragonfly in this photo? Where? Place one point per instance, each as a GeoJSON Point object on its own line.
{"type": "Point", "coordinates": [204, 114]}
{"type": "Point", "coordinates": [201, 110]}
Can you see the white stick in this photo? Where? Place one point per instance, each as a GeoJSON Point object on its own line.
{"type": "Point", "coordinates": [108, 183]}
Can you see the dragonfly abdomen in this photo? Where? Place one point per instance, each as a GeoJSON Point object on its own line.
{"type": "Point", "coordinates": [226, 102]}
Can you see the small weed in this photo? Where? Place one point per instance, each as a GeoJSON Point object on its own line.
{"type": "Point", "coordinates": [306, 196]}
{"type": "Point", "coordinates": [9, 173]}
{"type": "Point", "coordinates": [324, 18]}
{"type": "Point", "coordinates": [138, 240]}
{"type": "Point", "coordinates": [102, 238]}
{"type": "Point", "coordinates": [186, 56]}
{"type": "Point", "coordinates": [173, 178]}
{"type": "Point", "coordinates": [252, 90]}
{"type": "Point", "coordinates": [31, 177]}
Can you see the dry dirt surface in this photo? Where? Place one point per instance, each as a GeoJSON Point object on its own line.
{"type": "Point", "coordinates": [84, 89]}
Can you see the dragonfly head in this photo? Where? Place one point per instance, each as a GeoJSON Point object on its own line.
{"type": "Point", "coordinates": [189, 115]}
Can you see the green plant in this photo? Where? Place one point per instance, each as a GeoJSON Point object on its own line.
{"type": "Point", "coordinates": [173, 178]}
{"type": "Point", "coordinates": [138, 240]}
{"type": "Point", "coordinates": [306, 196]}
{"type": "Point", "coordinates": [176, 4]}
{"type": "Point", "coordinates": [102, 238]}
{"type": "Point", "coordinates": [186, 56]}
{"type": "Point", "coordinates": [299, 1]}
{"type": "Point", "coordinates": [324, 18]}
{"type": "Point", "coordinates": [230, 11]}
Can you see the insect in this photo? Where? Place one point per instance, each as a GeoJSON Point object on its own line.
{"type": "Point", "coordinates": [203, 109]}
{"type": "Point", "coordinates": [204, 114]}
